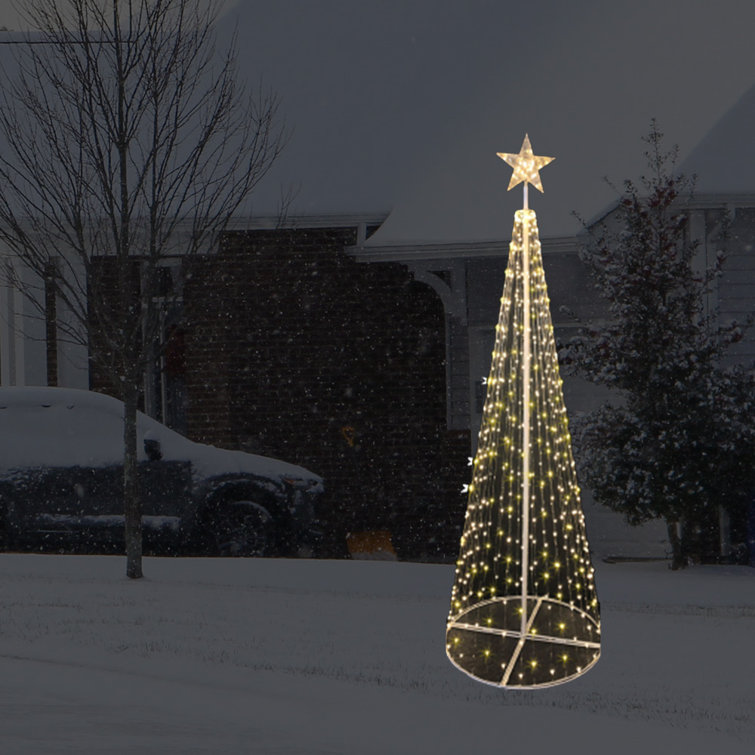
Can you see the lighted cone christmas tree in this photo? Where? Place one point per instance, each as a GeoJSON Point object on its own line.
{"type": "Point", "coordinates": [524, 611]}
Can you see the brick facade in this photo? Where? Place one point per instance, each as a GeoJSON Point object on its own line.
{"type": "Point", "coordinates": [295, 350]}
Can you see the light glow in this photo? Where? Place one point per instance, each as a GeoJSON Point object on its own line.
{"type": "Point", "coordinates": [523, 512]}
{"type": "Point", "coordinates": [526, 165]}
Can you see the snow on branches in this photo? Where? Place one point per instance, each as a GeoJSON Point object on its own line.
{"type": "Point", "coordinates": [677, 439]}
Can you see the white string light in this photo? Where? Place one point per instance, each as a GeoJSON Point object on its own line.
{"type": "Point", "coordinates": [524, 611]}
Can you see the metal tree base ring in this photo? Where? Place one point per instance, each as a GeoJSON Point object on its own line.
{"type": "Point", "coordinates": [559, 643]}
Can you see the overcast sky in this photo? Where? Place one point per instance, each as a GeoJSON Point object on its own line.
{"type": "Point", "coordinates": [10, 18]}
{"type": "Point", "coordinates": [401, 105]}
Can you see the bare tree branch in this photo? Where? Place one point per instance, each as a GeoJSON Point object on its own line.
{"type": "Point", "coordinates": [128, 139]}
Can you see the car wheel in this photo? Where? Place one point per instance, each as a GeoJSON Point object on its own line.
{"type": "Point", "coordinates": [244, 528]}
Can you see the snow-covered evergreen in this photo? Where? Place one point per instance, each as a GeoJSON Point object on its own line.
{"type": "Point", "coordinates": [676, 441]}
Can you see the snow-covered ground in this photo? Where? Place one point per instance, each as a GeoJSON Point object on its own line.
{"type": "Point", "coordinates": [283, 657]}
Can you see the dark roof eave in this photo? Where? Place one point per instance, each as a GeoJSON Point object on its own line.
{"type": "Point", "coordinates": [406, 252]}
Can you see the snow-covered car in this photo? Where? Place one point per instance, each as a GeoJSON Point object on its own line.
{"type": "Point", "coordinates": [61, 461]}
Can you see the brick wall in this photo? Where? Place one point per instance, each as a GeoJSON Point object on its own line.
{"type": "Point", "coordinates": [296, 351]}
{"type": "Point", "coordinates": [103, 291]}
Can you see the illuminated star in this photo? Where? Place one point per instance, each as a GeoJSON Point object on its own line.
{"type": "Point", "coordinates": [526, 165]}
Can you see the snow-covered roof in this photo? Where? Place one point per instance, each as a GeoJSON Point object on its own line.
{"type": "Point", "coordinates": [724, 160]}
{"type": "Point", "coordinates": [404, 105]}
{"type": "Point", "coordinates": [401, 106]}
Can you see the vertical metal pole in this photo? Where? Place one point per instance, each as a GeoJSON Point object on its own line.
{"type": "Point", "coordinates": [526, 359]}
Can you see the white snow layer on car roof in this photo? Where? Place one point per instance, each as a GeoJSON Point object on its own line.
{"type": "Point", "coordinates": [70, 427]}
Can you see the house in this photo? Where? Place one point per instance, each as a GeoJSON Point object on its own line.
{"type": "Point", "coordinates": [365, 361]}
{"type": "Point", "coordinates": [361, 361]}
{"type": "Point", "coordinates": [355, 343]}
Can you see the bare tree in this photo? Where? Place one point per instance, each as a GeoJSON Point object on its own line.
{"type": "Point", "coordinates": [128, 138]}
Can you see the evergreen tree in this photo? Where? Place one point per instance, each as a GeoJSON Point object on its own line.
{"type": "Point", "coordinates": [677, 439]}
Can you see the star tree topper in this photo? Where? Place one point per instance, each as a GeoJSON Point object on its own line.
{"type": "Point", "coordinates": [526, 165]}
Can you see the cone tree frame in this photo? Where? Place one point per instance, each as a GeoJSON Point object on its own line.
{"type": "Point", "coordinates": [524, 610]}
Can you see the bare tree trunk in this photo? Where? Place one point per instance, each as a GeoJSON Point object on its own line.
{"type": "Point", "coordinates": [677, 556]}
{"type": "Point", "coordinates": [132, 501]}
{"type": "Point", "coordinates": [724, 535]}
